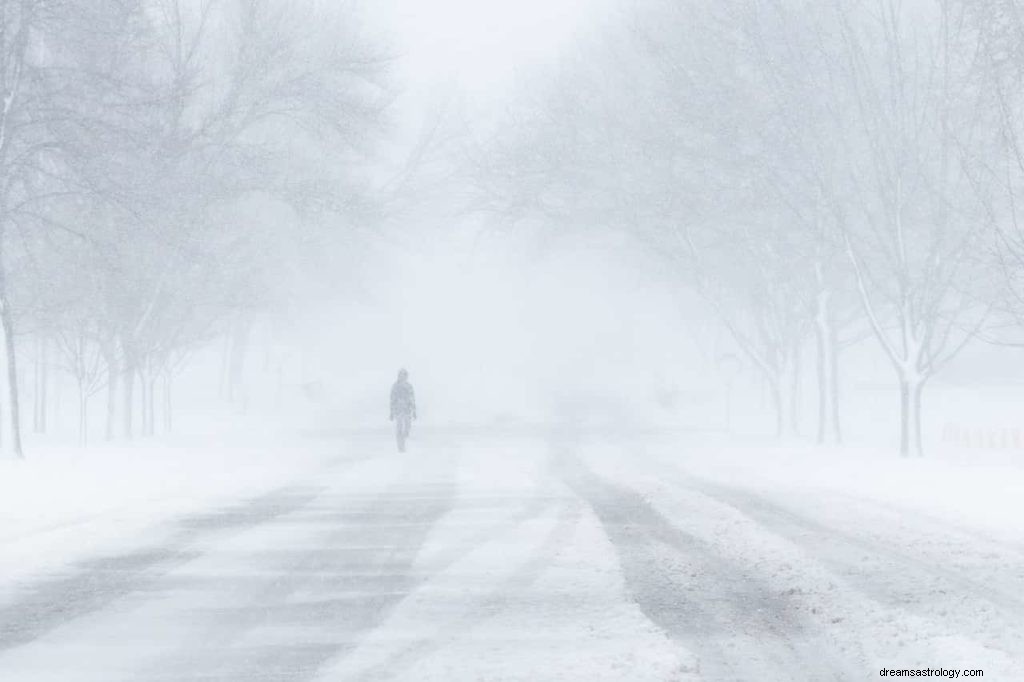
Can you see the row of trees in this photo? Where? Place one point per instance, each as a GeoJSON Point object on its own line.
{"type": "Point", "coordinates": [157, 159]}
{"type": "Point", "coordinates": [819, 171]}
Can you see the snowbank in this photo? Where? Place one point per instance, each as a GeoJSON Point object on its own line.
{"type": "Point", "coordinates": [976, 490]}
{"type": "Point", "coordinates": [65, 503]}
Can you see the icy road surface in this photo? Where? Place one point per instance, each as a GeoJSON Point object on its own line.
{"type": "Point", "coordinates": [533, 559]}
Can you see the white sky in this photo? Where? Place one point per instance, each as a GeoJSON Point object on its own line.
{"type": "Point", "coordinates": [479, 45]}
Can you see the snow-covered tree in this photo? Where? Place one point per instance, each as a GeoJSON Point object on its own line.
{"type": "Point", "coordinates": [151, 131]}
{"type": "Point", "coordinates": [805, 166]}
{"type": "Point", "coordinates": [914, 226]}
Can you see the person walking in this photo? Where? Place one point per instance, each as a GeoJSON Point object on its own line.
{"type": "Point", "coordinates": [403, 408]}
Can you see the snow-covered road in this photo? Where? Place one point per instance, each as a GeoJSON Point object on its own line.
{"type": "Point", "coordinates": [555, 558]}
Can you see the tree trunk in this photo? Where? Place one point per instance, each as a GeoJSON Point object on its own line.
{"type": "Point", "coordinates": [779, 403]}
{"type": "Point", "coordinates": [7, 321]}
{"type": "Point", "coordinates": [36, 382]}
{"type": "Point", "coordinates": [904, 418]}
{"type": "Point", "coordinates": [58, 396]}
{"type": "Point", "coordinates": [144, 427]}
{"type": "Point", "coordinates": [833, 343]}
{"type": "Point", "coordinates": [168, 417]}
{"type": "Point", "coordinates": [143, 414]}
{"type": "Point", "coordinates": [910, 417]}
{"type": "Point", "coordinates": [129, 398]}
{"type": "Point", "coordinates": [151, 397]}
{"type": "Point", "coordinates": [83, 423]}
{"type": "Point", "coordinates": [144, 403]}
{"type": "Point", "coordinates": [44, 382]}
{"type": "Point", "coordinates": [35, 391]}
{"type": "Point", "coordinates": [794, 393]}
{"type": "Point", "coordinates": [915, 400]}
{"type": "Point", "coordinates": [112, 375]}
{"type": "Point", "coordinates": [824, 389]}
{"type": "Point", "coordinates": [827, 366]}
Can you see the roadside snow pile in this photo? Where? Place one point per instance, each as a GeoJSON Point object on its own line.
{"type": "Point", "coordinates": [887, 562]}
{"type": "Point", "coordinates": [979, 491]}
{"type": "Point", "coordinates": [65, 503]}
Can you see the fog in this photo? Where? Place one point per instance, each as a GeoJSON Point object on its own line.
{"type": "Point", "coordinates": [480, 47]}
{"type": "Point", "coordinates": [495, 330]}
{"type": "Point", "coordinates": [539, 340]}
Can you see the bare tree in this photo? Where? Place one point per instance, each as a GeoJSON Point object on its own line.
{"type": "Point", "coordinates": [913, 228]}
{"type": "Point", "coordinates": [806, 166]}
{"type": "Point", "coordinates": [83, 359]}
{"type": "Point", "coordinates": [23, 145]}
{"type": "Point", "coordinates": [653, 133]}
{"type": "Point", "coordinates": [173, 119]}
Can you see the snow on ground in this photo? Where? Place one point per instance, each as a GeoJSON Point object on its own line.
{"type": "Point", "coordinates": [519, 582]}
{"type": "Point", "coordinates": [554, 556]}
{"type": "Point", "coordinates": [978, 490]}
{"type": "Point", "coordinates": [460, 561]}
{"type": "Point", "coordinates": [896, 562]}
{"type": "Point", "coordinates": [64, 503]}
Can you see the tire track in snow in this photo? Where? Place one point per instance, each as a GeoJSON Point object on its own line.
{"type": "Point", "coordinates": [372, 553]}
{"type": "Point", "coordinates": [92, 584]}
{"type": "Point", "coordinates": [486, 606]}
{"type": "Point", "coordinates": [890, 574]}
{"type": "Point", "coordinates": [541, 500]}
{"type": "Point", "coordinates": [379, 581]}
{"type": "Point", "coordinates": [724, 613]}
{"type": "Point", "coordinates": [849, 549]}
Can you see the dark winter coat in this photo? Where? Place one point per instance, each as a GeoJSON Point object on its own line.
{"type": "Point", "coordinates": [403, 400]}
